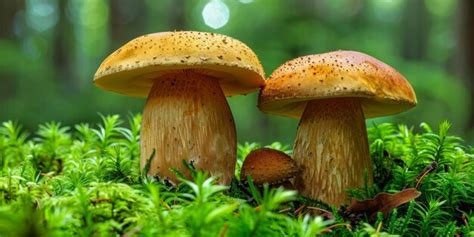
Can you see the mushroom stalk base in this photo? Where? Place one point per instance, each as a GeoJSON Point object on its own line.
{"type": "Point", "coordinates": [187, 117]}
{"type": "Point", "coordinates": [331, 149]}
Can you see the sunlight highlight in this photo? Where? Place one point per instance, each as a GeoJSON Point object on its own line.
{"type": "Point", "coordinates": [215, 14]}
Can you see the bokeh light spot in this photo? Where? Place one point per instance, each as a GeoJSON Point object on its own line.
{"type": "Point", "coordinates": [41, 15]}
{"type": "Point", "coordinates": [215, 14]}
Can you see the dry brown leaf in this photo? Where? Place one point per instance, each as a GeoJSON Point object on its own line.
{"type": "Point", "coordinates": [383, 202]}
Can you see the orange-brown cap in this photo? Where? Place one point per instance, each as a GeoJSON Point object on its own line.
{"type": "Point", "coordinates": [267, 165]}
{"type": "Point", "coordinates": [130, 70]}
{"type": "Point", "coordinates": [381, 89]}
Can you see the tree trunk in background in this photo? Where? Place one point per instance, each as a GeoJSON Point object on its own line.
{"type": "Point", "coordinates": [115, 22]}
{"type": "Point", "coordinates": [127, 20]}
{"type": "Point", "coordinates": [464, 59]}
{"type": "Point", "coordinates": [177, 15]}
{"type": "Point", "coordinates": [415, 25]}
{"type": "Point", "coordinates": [8, 9]}
{"type": "Point", "coordinates": [62, 48]}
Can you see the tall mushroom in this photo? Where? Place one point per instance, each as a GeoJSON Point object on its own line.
{"type": "Point", "coordinates": [333, 93]}
{"type": "Point", "coordinates": [186, 76]}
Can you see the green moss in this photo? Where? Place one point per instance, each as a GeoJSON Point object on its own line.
{"type": "Point", "coordinates": [86, 181]}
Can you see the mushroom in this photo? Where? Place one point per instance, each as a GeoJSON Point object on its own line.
{"type": "Point", "coordinates": [185, 77]}
{"type": "Point", "coordinates": [270, 166]}
{"type": "Point", "coordinates": [333, 93]}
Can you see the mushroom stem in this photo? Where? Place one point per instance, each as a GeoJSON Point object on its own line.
{"type": "Point", "coordinates": [331, 149]}
{"type": "Point", "coordinates": [186, 117]}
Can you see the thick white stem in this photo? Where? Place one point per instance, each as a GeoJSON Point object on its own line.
{"type": "Point", "coordinates": [187, 117]}
{"type": "Point", "coordinates": [331, 149]}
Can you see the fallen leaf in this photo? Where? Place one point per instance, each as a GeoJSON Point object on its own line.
{"type": "Point", "coordinates": [383, 202]}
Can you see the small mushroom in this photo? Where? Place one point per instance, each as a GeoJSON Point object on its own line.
{"type": "Point", "coordinates": [186, 76]}
{"type": "Point", "coordinates": [270, 166]}
{"type": "Point", "coordinates": [333, 93]}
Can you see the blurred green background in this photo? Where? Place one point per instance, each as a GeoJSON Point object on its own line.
{"type": "Point", "coordinates": [50, 50]}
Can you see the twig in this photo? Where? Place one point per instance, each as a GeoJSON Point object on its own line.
{"type": "Point", "coordinates": [298, 210]}
{"type": "Point", "coordinates": [329, 228]}
{"type": "Point", "coordinates": [224, 230]}
{"type": "Point", "coordinates": [328, 214]}
{"type": "Point", "coordinates": [428, 169]}
{"type": "Point", "coordinates": [284, 210]}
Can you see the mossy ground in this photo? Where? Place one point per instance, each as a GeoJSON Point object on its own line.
{"type": "Point", "coordinates": [86, 181]}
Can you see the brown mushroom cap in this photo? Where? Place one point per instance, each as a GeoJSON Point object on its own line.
{"type": "Point", "coordinates": [130, 70]}
{"type": "Point", "coordinates": [267, 165]}
{"type": "Point", "coordinates": [381, 89]}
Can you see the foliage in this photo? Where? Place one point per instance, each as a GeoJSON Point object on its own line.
{"type": "Point", "coordinates": [50, 57]}
{"type": "Point", "coordinates": [437, 164]}
{"type": "Point", "coordinates": [85, 180]}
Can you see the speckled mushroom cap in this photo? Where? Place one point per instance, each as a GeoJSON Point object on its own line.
{"type": "Point", "coordinates": [130, 70]}
{"type": "Point", "coordinates": [381, 89]}
{"type": "Point", "coordinates": [267, 165]}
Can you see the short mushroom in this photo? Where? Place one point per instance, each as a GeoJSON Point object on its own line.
{"type": "Point", "coordinates": [267, 165]}
{"type": "Point", "coordinates": [186, 76]}
{"type": "Point", "coordinates": [333, 93]}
